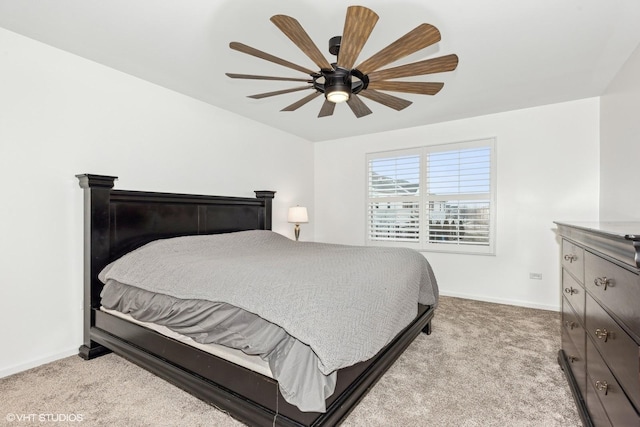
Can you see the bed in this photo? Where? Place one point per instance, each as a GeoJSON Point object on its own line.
{"type": "Point", "coordinates": [117, 222]}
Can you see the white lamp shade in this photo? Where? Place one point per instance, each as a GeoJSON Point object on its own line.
{"type": "Point", "coordinates": [298, 215]}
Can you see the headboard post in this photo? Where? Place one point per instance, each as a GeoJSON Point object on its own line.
{"type": "Point", "coordinates": [267, 196]}
{"type": "Point", "coordinates": [97, 190]}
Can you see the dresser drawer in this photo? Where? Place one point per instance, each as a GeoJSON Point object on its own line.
{"type": "Point", "coordinates": [617, 348]}
{"type": "Point", "coordinates": [618, 408]}
{"type": "Point", "coordinates": [596, 410]}
{"type": "Point", "coordinates": [576, 361]}
{"type": "Point", "coordinates": [573, 327]}
{"type": "Point", "coordinates": [616, 288]}
{"type": "Point", "coordinates": [574, 293]}
{"type": "Point", "coordinates": [573, 259]}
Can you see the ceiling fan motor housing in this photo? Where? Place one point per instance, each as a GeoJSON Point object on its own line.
{"type": "Point", "coordinates": [337, 80]}
{"type": "Point", "coordinates": [340, 79]}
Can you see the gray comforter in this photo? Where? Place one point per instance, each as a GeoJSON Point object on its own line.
{"type": "Point", "coordinates": [293, 364]}
{"type": "Point", "coordinates": [344, 302]}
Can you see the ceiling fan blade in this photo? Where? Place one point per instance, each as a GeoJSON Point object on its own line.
{"type": "Point", "coordinates": [301, 102]}
{"type": "Point", "coordinates": [420, 37]}
{"type": "Point", "coordinates": [358, 107]}
{"type": "Point", "coordinates": [252, 77]}
{"type": "Point", "coordinates": [385, 99]}
{"type": "Point", "coordinates": [357, 27]}
{"type": "Point", "coordinates": [263, 55]}
{"type": "Point", "coordinates": [279, 92]}
{"type": "Point", "coordinates": [428, 66]}
{"type": "Point", "coordinates": [292, 29]}
{"type": "Point", "coordinates": [327, 109]}
{"type": "Point", "coordinates": [420, 88]}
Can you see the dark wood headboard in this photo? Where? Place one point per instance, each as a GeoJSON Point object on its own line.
{"type": "Point", "coordinates": [118, 221]}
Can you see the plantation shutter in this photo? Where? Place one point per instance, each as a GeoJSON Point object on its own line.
{"type": "Point", "coordinates": [459, 196]}
{"type": "Point", "coordinates": [393, 211]}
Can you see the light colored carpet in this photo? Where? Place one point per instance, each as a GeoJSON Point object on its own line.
{"type": "Point", "coordinates": [483, 365]}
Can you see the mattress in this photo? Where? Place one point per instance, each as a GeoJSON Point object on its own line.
{"type": "Point", "coordinates": [238, 357]}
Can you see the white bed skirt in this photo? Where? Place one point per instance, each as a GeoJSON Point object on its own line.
{"type": "Point", "coordinates": [238, 357]}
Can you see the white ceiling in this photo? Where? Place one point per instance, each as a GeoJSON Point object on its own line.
{"type": "Point", "coordinates": [513, 54]}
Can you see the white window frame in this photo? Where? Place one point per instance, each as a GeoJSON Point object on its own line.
{"type": "Point", "coordinates": [423, 244]}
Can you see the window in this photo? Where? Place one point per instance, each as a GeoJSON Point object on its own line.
{"type": "Point", "coordinates": [438, 198]}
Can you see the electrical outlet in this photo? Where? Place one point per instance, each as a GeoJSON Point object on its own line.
{"type": "Point", "coordinates": [535, 276]}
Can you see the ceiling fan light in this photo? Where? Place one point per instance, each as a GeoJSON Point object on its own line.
{"type": "Point", "coordinates": [337, 96]}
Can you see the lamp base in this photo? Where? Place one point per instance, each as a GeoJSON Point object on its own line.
{"type": "Point", "coordinates": [296, 231]}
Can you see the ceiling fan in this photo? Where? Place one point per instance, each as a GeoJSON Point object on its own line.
{"type": "Point", "coordinates": [341, 81]}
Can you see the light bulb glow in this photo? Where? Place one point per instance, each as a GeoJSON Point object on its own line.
{"type": "Point", "coordinates": [337, 96]}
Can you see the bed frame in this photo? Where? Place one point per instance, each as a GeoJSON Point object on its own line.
{"type": "Point", "coordinates": [118, 221]}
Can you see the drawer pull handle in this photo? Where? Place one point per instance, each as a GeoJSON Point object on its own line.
{"type": "Point", "coordinates": [569, 324]}
{"type": "Point", "coordinates": [602, 281]}
{"type": "Point", "coordinates": [602, 386]}
{"type": "Point", "coordinates": [603, 333]}
{"type": "Point", "coordinates": [570, 258]}
{"type": "Point", "coordinates": [571, 290]}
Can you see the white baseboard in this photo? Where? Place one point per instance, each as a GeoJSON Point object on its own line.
{"type": "Point", "coordinates": [5, 372]}
{"type": "Point", "coordinates": [501, 301]}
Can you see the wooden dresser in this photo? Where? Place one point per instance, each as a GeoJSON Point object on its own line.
{"type": "Point", "coordinates": [600, 352]}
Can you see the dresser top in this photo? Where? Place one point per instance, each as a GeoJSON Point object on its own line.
{"type": "Point", "coordinates": [617, 240]}
{"type": "Point", "coordinates": [620, 230]}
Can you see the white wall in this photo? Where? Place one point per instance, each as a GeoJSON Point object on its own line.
{"type": "Point", "coordinates": [61, 115]}
{"type": "Point", "coordinates": [620, 144]}
{"type": "Point", "coordinates": [547, 170]}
